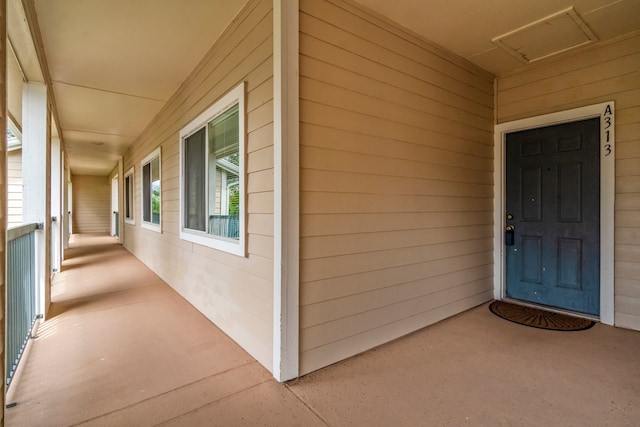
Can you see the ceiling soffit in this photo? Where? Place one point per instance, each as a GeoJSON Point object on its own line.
{"type": "Point", "coordinates": [552, 35]}
{"type": "Point", "coordinates": [114, 64]}
{"type": "Point", "coordinates": [20, 43]}
{"type": "Point", "coordinates": [471, 28]}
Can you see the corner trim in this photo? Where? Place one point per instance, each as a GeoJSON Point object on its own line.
{"type": "Point", "coordinates": [286, 183]}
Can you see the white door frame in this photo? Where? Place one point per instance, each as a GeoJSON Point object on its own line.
{"type": "Point", "coordinates": [606, 112]}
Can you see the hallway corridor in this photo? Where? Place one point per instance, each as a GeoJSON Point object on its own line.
{"type": "Point", "coordinates": [121, 348]}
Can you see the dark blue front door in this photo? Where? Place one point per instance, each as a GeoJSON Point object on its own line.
{"type": "Point", "coordinates": [553, 206]}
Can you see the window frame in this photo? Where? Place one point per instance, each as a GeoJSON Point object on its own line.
{"type": "Point", "coordinates": [157, 153]}
{"type": "Point", "coordinates": [14, 136]}
{"type": "Point", "coordinates": [129, 201]}
{"type": "Point", "coordinates": [219, 107]}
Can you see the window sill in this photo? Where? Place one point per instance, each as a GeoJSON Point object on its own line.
{"type": "Point", "coordinates": [153, 227]}
{"type": "Point", "coordinates": [234, 247]}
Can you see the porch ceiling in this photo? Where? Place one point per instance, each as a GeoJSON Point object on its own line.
{"type": "Point", "coordinates": [468, 28]}
{"type": "Point", "coordinates": [114, 64]}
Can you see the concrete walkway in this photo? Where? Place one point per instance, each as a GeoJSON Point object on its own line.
{"type": "Point", "coordinates": [121, 348]}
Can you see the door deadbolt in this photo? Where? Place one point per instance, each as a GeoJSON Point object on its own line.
{"type": "Point", "coordinates": [509, 235]}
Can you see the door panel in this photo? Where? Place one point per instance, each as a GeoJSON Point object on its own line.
{"type": "Point", "coordinates": [553, 198]}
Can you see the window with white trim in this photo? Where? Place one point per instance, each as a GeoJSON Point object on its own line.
{"type": "Point", "coordinates": [212, 160]}
{"type": "Point", "coordinates": [128, 197]}
{"type": "Point", "coordinates": [150, 191]}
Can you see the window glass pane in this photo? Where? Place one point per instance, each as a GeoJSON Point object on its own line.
{"type": "Point", "coordinates": [223, 174]}
{"type": "Point", "coordinates": [146, 192]}
{"type": "Point", "coordinates": [155, 190]}
{"type": "Point", "coordinates": [194, 185]}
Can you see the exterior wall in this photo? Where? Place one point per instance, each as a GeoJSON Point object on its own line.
{"type": "Point", "coordinates": [396, 182]}
{"type": "Point", "coordinates": [14, 188]}
{"type": "Point", "coordinates": [14, 157]}
{"type": "Point", "coordinates": [235, 293]}
{"type": "Point", "coordinates": [605, 73]}
{"type": "Point", "coordinates": [91, 204]}
{"type": "Point", "coordinates": [15, 84]}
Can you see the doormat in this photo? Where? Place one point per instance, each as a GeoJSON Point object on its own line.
{"type": "Point", "coordinates": [537, 318]}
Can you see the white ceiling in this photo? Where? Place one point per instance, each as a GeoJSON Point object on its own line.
{"type": "Point", "coordinates": [115, 63]}
{"type": "Point", "coordinates": [467, 27]}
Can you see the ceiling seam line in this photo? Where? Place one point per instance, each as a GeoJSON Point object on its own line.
{"type": "Point", "coordinates": [108, 91]}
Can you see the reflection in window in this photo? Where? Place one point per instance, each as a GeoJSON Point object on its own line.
{"type": "Point", "coordinates": [212, 156]}
{"type": "Point", "coordinates": [224, 169]}
{"type": "Point", "coordinates": [218, 213]}
{"type": "Point", "coordinates": [151, 190]}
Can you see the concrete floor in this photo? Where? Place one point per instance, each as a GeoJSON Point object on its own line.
{"type": "Point", "coordinates": [121, 348]}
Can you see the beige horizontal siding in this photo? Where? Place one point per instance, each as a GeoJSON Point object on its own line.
{"type": "Point", "coordinates": [14, 188]}
{"type": "Point", "coordinates": [396, 163]}
{"type": "Point", "coordinates": [610, 72]}
{"type": "Point", "coordinates": [235, 293]}
{"type": "Point", "coordinates": [91, 204]}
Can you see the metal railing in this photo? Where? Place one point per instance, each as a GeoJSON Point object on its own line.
{"type": "Point", "coordinates": [21, 293]}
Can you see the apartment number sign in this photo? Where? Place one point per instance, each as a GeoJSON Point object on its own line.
{"type": "Point", "coordinates": [607, 129]}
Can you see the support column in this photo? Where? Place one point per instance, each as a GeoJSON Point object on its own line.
{"type": "Point", "coordinates": [286, 176]}
{"type": "Point", "coordinates": [66, 207]}
{"type": "Point", "coordinates": [36, 183]}
{"type": "Point", "coordinates": [3, 198]}
{"type": "Point", "coordinates": [56, 205]}
{"type": "Point", "coordinates": [113, 186]}
{"type": "Point", "coordinates": [121, 200]}
{"type": "Point", "coordinates": [70, 203]}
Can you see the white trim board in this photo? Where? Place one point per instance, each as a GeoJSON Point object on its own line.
{"type": "Point", "coordinates": [606, 112]}
{"type": "Point", "coordinates": [286, 177]}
